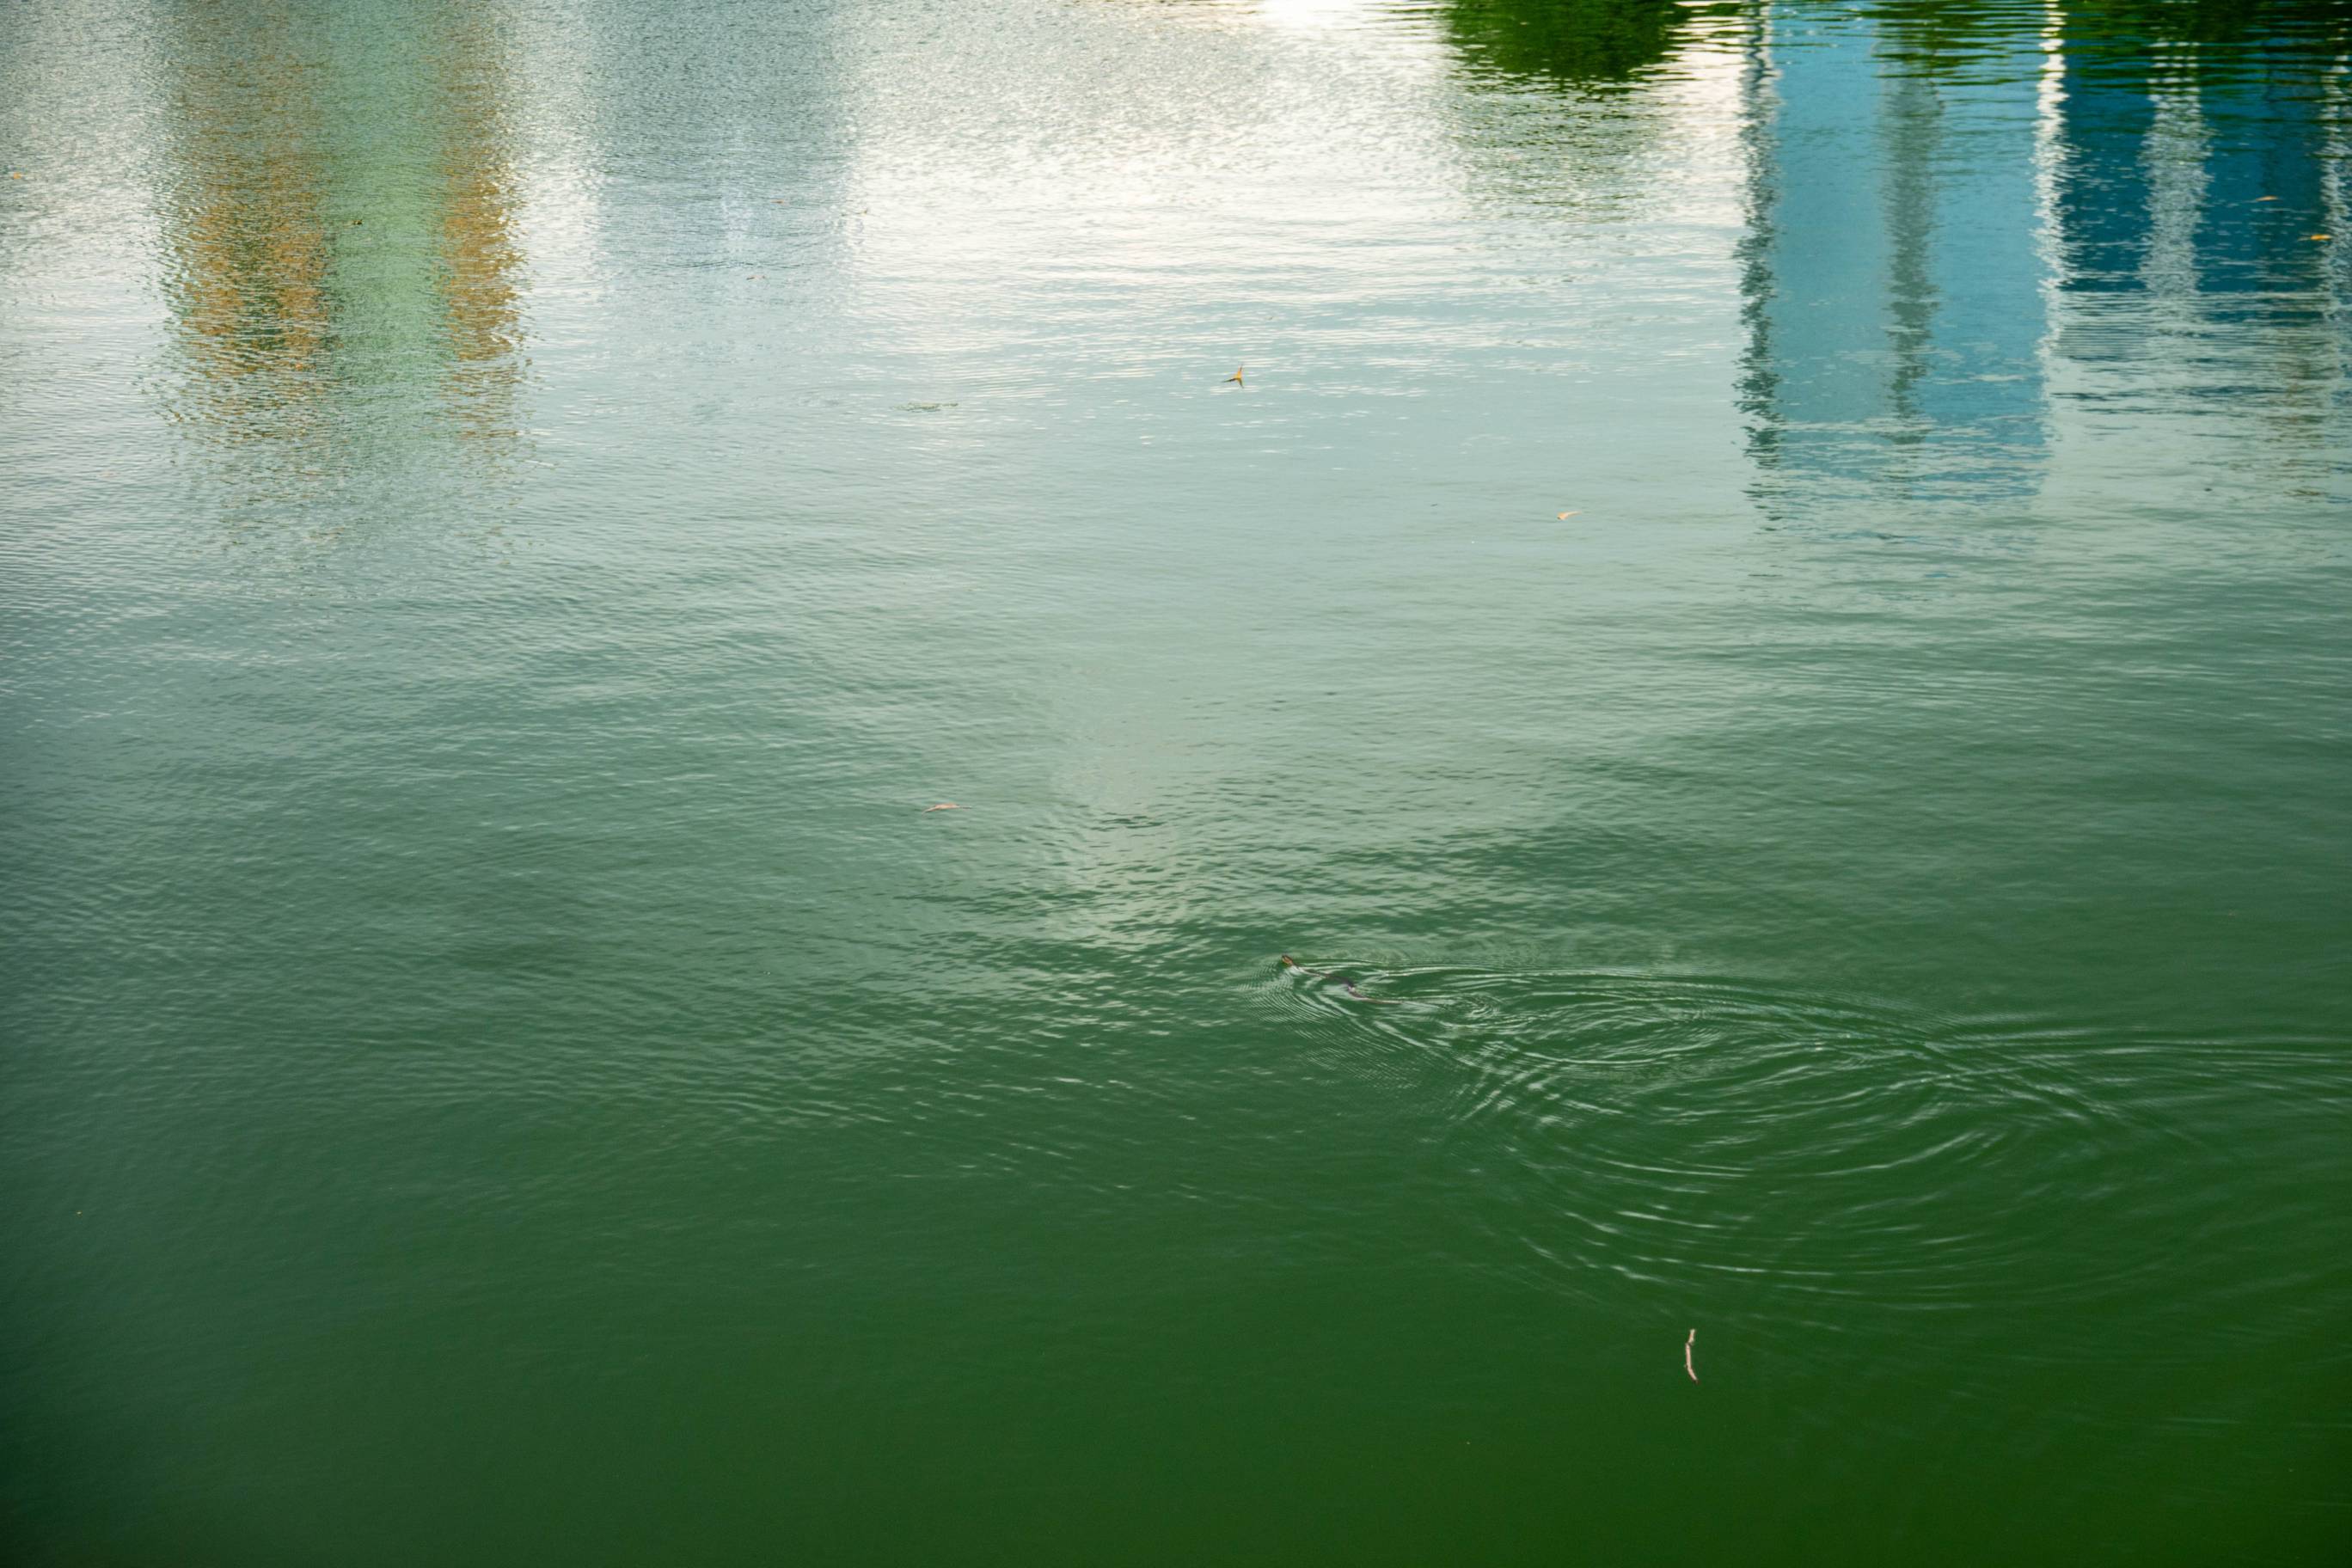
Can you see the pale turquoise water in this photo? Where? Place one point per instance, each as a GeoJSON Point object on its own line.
{"type": "Point", "coordinates": [509, 511]}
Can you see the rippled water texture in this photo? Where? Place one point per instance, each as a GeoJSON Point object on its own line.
{"type": "Point", "coordinates": [1766, 621]}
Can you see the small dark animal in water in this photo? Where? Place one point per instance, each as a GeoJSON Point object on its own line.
{"type": "Point", "coordinates": [1345, 984]}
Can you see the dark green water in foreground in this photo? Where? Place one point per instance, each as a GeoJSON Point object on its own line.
{"type": "Point", "coordinates": [508, 511]}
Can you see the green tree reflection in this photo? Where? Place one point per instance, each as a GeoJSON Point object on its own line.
{"type": "Point", "coordinates": [1581, 43]}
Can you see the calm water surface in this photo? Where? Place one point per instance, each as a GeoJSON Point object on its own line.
{"type": "Point", "coordinates": [510, 509]}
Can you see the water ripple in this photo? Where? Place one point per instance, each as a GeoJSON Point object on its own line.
{"type": "Point", "coordinates": [1765, 1148]}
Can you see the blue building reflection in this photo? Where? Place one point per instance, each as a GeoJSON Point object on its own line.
{"type": "Point", "coordinates": [1895, 273]}
{"type": "Point", "coordinates": [1942, 237]}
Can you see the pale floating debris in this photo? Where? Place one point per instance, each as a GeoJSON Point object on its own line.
{"type": "Point", "coordinates": [1687, 1355]}
{"type": "Point", "coordinates": [1566, 515]}
{"type": "Point", "coordinates": [943, 805]}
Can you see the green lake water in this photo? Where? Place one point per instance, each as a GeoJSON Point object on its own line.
{"type": "Point", "coordinates": [509, 511]}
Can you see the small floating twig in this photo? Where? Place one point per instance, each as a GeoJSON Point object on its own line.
{"type": "Point", "coordinates": [1687, 1355]}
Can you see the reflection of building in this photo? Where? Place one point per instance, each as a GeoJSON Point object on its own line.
{"type": "Point", "coordinates": [248, 242]}
{"type": "Point", "coordinates": [1946, 215]}
{"type": "Point", "coordinates": [478, 255]}
{"type": "Point", "coordinates": [2194, 179]}
{"type": "Point", "coordinates": [1893, 273]}
{"type": "Point", "coordinates": [341, 221]}
{"type": "Point", "coordinates": [481, 261]}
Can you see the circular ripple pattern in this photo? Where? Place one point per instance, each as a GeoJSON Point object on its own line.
{"type": "Point", "coordinates": [1807, 1163]}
